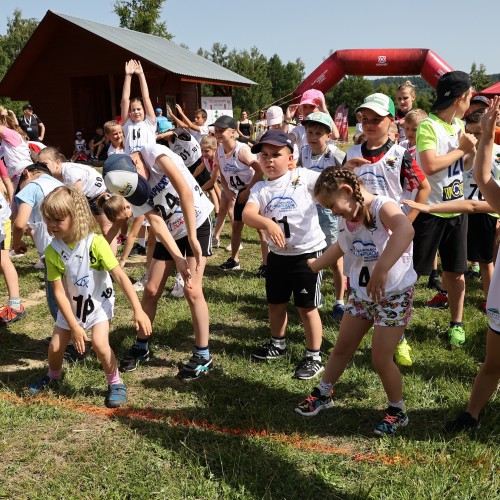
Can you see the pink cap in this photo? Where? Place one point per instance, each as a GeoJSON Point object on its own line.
{"type": "Point", "coordinates": [313, 96]}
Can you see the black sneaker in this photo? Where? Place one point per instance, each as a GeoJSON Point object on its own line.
{"type": "Point", "coordinates": [261, 272]}
{"type": "Point", "coordinates": [230, 265]}
{"type": "Point", "coordinates": [134, 357]}
{"type": "Point", "coordinates": [137, 250]}
{"type": "Point", "coordinates": [195, 368]}
{"type": "Point", "coordinates": [268, 351]}
{"type": "Point", "coordinates": [465, 422]}
{"type": "Point", "coordinates": [308, 368]}
{"type": "Point", "coordinates": [73, 356]}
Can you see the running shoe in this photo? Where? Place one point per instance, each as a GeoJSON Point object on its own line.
{"type": "Point", "coordinates": [314, 403]}
{"type": "Point", "coordinates": [465, 422]}
{"type": "Point", "coordinates": [338, 312]}
{"type": "Point", "coordinates": [196, 367]}
{"type": "Point", "coordinates": [439, 301]}
{"type": "Point", "coordinates": [137, 250]}
{"type": "Point", "coordinates": [230, 265]}
{"type": "Point", "coordinates": [393, 420]}
{"type": "Point", "coordinates": [9, 315]}
{"type": "Point", "coordinates": [456, 336]}
{"type": "Point", "coordinates": [308, 368]}
{"type": "Point", "coordinates": [178, 289]}
{"type": "Point", "coordinates": [402, 354]}
{"type": "Point", "coordinates": [268, 352]}
{"type": "Point", "coordinates": [134, 358]}
{"type": "Point", "coordinates": [43, 384]}
{"type": "Point", "coordinates": [261, 272]}
{"type": "Point", "coordinates": [116, 396]}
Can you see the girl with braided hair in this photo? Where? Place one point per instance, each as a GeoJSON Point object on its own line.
{"type": "Point", "coordinates": [375, 237]}
{"type": "Point", "coordinates": [79, 265]}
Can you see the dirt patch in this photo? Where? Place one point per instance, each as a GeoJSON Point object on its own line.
{"type": "Point", "coordinates": [34, 298]}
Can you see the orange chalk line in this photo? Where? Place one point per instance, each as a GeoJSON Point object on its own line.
{"type": "Point", "coordinates": [295, 440]}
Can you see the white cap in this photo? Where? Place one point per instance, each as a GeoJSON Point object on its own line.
{"type": "Point", "coordinates": [274, 116]}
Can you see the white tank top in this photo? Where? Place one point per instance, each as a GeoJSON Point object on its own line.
{"type": "Point", "coordinates": [189, 151]}
{"type": "Point", "coordinates": [138, 134]}
{"type": "Point", "coordinates": [363, 248]}
{"type": "Point", "coordinates": [92, 183]}
{"type": "Point", "coordinates": [447, 184]}
{"type": "Point", "coordinates": [88, 290]}
{"type": "Point", "coordinates": [384, 176]}
{"type": "Point", "coordinates": [237, 174]}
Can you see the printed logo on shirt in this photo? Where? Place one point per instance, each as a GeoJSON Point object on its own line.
{"type": "Point", "coordinates": [83, 281]}
{"type": "Point", "coordinates": [453, 191]}
{"type": "Point", "coordinates": [366, 250]}
{"type": "Point", "coordinates": [162, 184]}
{"type": "Point", "coordinates": [231, 168]}
{"type": "Point", "coordinates": [390, 162]}
{"type": "Point", "coordinates": [281, 203]}
{"type": "Point", "coordinates": [296, 182]}
{"type": "Point", "coordinates": [376, 182]}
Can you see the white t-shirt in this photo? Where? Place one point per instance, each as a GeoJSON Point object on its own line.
{"type": "Point", "coordinates": [331, 157]}
{"type": "Point", "coordinates": [363, 247]}
{"type": "Point", "coordinates": [289, 201]}
{"type": "Point", "coordinates": [164, 198]}
{"type": "Point", "coordinates": [138, 134]}
{"type": "Point", "coordinates": [92, 183]}
{"type": "Point", "coordinates": [198, 134]}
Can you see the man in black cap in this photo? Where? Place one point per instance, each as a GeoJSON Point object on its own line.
{"type": "Point", "coordinates": [442, 148]}
{"type": "Point", "coordinates": [31, 124]}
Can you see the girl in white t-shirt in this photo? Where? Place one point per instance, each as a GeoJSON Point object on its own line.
{"type": "Point", "coordinates": [138, 115]}
{"type": "Point", "coordinates": [377, 236]}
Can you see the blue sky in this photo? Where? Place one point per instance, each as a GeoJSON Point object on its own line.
{"type": "Point", "coordinates": [459, 32]}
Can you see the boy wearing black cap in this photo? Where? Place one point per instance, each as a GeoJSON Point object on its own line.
{"type": "Point", "coordinates": [284, 207]}
{"type": "Point", "coordinates": [442, 146]}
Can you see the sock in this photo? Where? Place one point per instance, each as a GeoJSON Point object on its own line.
{"type": "Point", "coordinates": [313, 354]}
{"type": "Point", "coordinates": [141, 241]}
{"type": "Point", "coordinates": [55, 374]}
{"type": "Point", "coordinates": [402, 339]}
{"type": "Point", "coordinates": [142, 344]}
{"type": "Point", "coordinates": [202, 351]}
{"type": "Point", "coordinates": [399, 404]}
{"type": "Point", "coordinates": [341, 302]}
{"type": "Point", "coordinates": [456, 323]}
{"type": "Point", "coordinates": [324, 388]}
{"type": "Point", "coordinates": [279, 342]}
{"type": "Point", "coordinates": [114, 378]}
{"type": "Point", "coordinates": [444, 292]}
{"type": "Point", "coordinates": [15, 303]}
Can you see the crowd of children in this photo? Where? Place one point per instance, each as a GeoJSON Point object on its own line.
{"type": "Point", "coordinates": [378, 216]}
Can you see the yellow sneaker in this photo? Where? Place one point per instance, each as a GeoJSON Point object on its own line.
{"type": "Point", "coordinates": [402, 354]}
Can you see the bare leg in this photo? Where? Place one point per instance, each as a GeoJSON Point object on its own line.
{"type": "Point", "coordinates": [312, 327]}
{"type": "Point", "coordinates": [455, 283]}
{"type": "Point", "coordinates": [278, 319]}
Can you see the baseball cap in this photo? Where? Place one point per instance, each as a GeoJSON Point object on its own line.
{"type": "Point", "coordinates": [78, 133]}
{"type": "Point", "coordinates": [274, 116]}
{"type": "Point", "coordinates": [225, 121]}
{"type": "Point", "coordinates": [158, 110]}
{"type": "Point", "coordinates": [319, 117]}
{"type": "Point", "coordinates": [450, 86]}
{"type": "Point", "coordinates": [382, 104]}
{"type": "Point", "coordinates": [313, 96]}
{"type": "Point", "coordinates": [27, 106]}
{"type": "Point", "coordinates": [480, 98]}
{"type": "Point", "coordinates": [121, 177]}
{"type": "Point", "coordinates": [274, 137]}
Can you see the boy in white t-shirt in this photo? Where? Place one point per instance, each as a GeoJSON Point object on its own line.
{"type": "Point", "coordinates": [284, 207]}
{"type": "Point", "coordinates": [197, 128]}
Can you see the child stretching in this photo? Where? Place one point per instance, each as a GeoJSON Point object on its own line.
{"type": "Point", "coordinates": [284, 207]}
{"type": "Point", "coordinates": [486, 382]}
{"type": "Point", "coordinates": [138, 115]}
{"type": "Point", "coordinates": [377, 236]}
{"type": "Point", "coordinates": [78, 266]}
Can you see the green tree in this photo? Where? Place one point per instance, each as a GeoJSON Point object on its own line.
{"type": "Point", "coordinates": [284, 78]}
{"type": "Point", "coordinates": [19, 30]}
{"type": "Point", "coordinates": [350, 91]}
{"type": "Point", "coordinates": [478, 77]}
{"type": "Point", "coordinates": [142, 16]}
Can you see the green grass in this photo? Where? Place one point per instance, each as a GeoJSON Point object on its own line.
{"type": "Point", "coordinates": [234, 434]}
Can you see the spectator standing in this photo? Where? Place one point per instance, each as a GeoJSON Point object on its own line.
{"type": "Point", "coordinates": [31, 124]}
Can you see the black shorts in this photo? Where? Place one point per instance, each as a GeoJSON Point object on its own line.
{"type": "Point", "coordinates": [94, 207]}
{"type": "Point", "coordinates": [287, 274]}
{"type": "Point", "coordinates": [202, 178]}
{"type": "Point", "coordinates": [448, 235]}
{"type": "Point", "coordinates": [204, 235]}
{"type": "Point", "coordinates": [238, 208]}
{"type": "Point", "coordinates": [481, 237]}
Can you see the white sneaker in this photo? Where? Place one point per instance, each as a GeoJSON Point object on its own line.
{"type": "Point", "coordinates": [178, 290]}
{"type": "Point", "coordinates": [40, 264]}
{"type": "Point", "coordinates": [14, 255]}
{"type": "Point", "coordinates": [228, 248]}
{"type": "Point", "coordinates": [141, 283]}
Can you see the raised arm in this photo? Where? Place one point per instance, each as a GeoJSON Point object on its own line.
{"type": "Point", "coordinates": [148, 105]}
{"type": "Point", "coordinates": [130, 67]}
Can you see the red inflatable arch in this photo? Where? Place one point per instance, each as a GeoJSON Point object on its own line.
{"type": "Point", "coordinates": [374, 62]}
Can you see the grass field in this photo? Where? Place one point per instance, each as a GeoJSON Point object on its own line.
{"type": "Point", "coordinates": [234, 434]}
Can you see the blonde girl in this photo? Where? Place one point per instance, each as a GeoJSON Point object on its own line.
{"type": "Point", "coordinates": [79, 264]}
{"type": "Point", "coordinates": [405, 97]}
{"type": "Point", "coordinates": [376, 237]}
